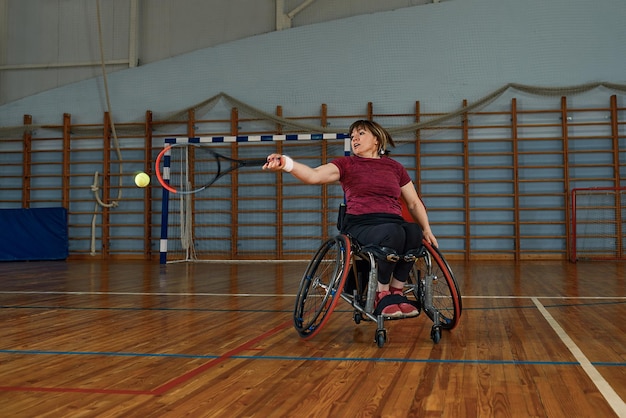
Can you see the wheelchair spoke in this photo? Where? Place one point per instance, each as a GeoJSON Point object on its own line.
{"type": "Point", "coordinates": [321, 285]}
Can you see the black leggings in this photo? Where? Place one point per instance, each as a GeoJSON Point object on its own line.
{"type": "Point", "coordinates": [401, 236]}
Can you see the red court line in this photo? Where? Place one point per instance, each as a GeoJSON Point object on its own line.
{"type": "Point", "coordinates": [75, 390]}
{"type": "Point", "coordinates": [164, 387]}
{"type": "Point", "coordinates": [185, 377]}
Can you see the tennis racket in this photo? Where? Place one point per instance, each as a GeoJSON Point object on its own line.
{"type": "Point", "coordinates": [190, 168]}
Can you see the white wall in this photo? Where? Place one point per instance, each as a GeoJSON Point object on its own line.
{"type": "Point", "coordinates": [46, 44]}
{"type": "Point", "coordinates": [439, 54]}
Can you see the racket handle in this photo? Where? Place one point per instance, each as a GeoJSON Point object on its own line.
{"type": "Point", "coordinates": [258, 162]}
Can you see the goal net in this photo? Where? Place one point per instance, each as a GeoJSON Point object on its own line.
{"type": "Point", "coordinates": [598, 223]}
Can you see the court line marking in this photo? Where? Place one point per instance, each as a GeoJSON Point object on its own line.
{"type": "Point", "coordinates": [603, 302]}
{"type": "Point", "coordinates": [226, 356]}
{"type": "Point", "coordinates": [296, 358]}
{"type": "Point", "coordinates": [80, 293]}
{"type": "Point", "coordinates": [606, 390]}
{"type": "Point", "coordinates": [168, 385]}
{"type": "Point", "coordinates": [248, 345]}
{"type": "Point", "coordinates": [273, 295]}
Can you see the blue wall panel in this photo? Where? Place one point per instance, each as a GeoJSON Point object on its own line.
{"type": "Point", "coordinates": [33, 234]}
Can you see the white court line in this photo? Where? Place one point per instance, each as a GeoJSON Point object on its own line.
{"type": "Point", "coordinates": [148, 294]}
{"type": "Point", "coordinates": [34, 292]}
{"type": "Point", "coordinates": [603, 386]}
{"type": "Point", "coordinates": [227, 261]}
{"type": "Point", "coordinates": [262, 295]}
{"type": "Point", "coordinates": [546, 297]}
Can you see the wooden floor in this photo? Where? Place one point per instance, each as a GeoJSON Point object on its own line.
{"type": "Point", "coordinates": [133, 339]}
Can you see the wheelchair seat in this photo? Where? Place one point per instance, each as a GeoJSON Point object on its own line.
{"type": "Point", "coordinates": [380, 252]}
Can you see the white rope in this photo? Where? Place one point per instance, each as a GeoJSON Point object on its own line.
{"type": "Point", "coordinates": [291, 124]}
{"type": "Point", "coordinates": [95, 187]}
{"type": "Point", "coordinates": [116, 144]}
{"type": "Point", "coordinates": [186, 225]}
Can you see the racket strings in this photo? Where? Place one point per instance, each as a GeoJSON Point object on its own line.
{"type": "Point", "coordinates": [191, 169]}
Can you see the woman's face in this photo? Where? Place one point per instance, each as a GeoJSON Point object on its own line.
{"type": "Point", "coordinates": [364, 143]}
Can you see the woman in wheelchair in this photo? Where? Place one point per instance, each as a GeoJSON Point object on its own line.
{"type": "Point", "coordinates": [373, 185]}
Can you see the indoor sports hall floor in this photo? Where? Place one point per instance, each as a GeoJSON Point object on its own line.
{"type": "Point", "coordinates": [136, 339]}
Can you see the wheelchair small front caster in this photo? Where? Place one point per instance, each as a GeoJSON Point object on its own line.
{"type": "Point", "coordinates": [435, 334]}
{"type": "Point", "coordinates": [357, 317]}
{"type": "Point", "coordinates": [381, 337]}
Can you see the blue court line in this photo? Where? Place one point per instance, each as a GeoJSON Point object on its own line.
{"type": "Point", "coordinates": [295, 358]}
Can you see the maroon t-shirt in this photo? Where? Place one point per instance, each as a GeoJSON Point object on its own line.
{"type": "Point", "coordinates": [371, 185]}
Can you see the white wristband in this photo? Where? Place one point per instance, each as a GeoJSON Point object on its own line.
{"type": "Point", "coordinates": [288, 164]}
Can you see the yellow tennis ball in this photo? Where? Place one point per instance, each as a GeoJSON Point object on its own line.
{"type": "Point", "coordinates": [142, 179]}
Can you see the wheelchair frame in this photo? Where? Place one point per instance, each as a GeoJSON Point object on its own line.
{"type": "Point", "coordinates": [336, 264]}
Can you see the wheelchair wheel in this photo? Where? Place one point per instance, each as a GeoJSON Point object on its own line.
{"type": "Point", "coordinates": [444, 297]}
{"type": "Point", "coordinates": [321, 285]}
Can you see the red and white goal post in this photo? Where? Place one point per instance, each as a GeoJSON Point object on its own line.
{"type": "Point", "coordinates": [598, 216]}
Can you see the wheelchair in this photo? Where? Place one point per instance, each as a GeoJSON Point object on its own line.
{"type": "Point", "coordinates": [344, 269]}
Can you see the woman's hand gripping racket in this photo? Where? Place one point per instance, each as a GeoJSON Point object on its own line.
{"type": "Point", "coordinates": [190, 168]}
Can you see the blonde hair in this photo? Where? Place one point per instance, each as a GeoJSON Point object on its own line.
{"type": "Point", "coordinates": [384, 138]}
